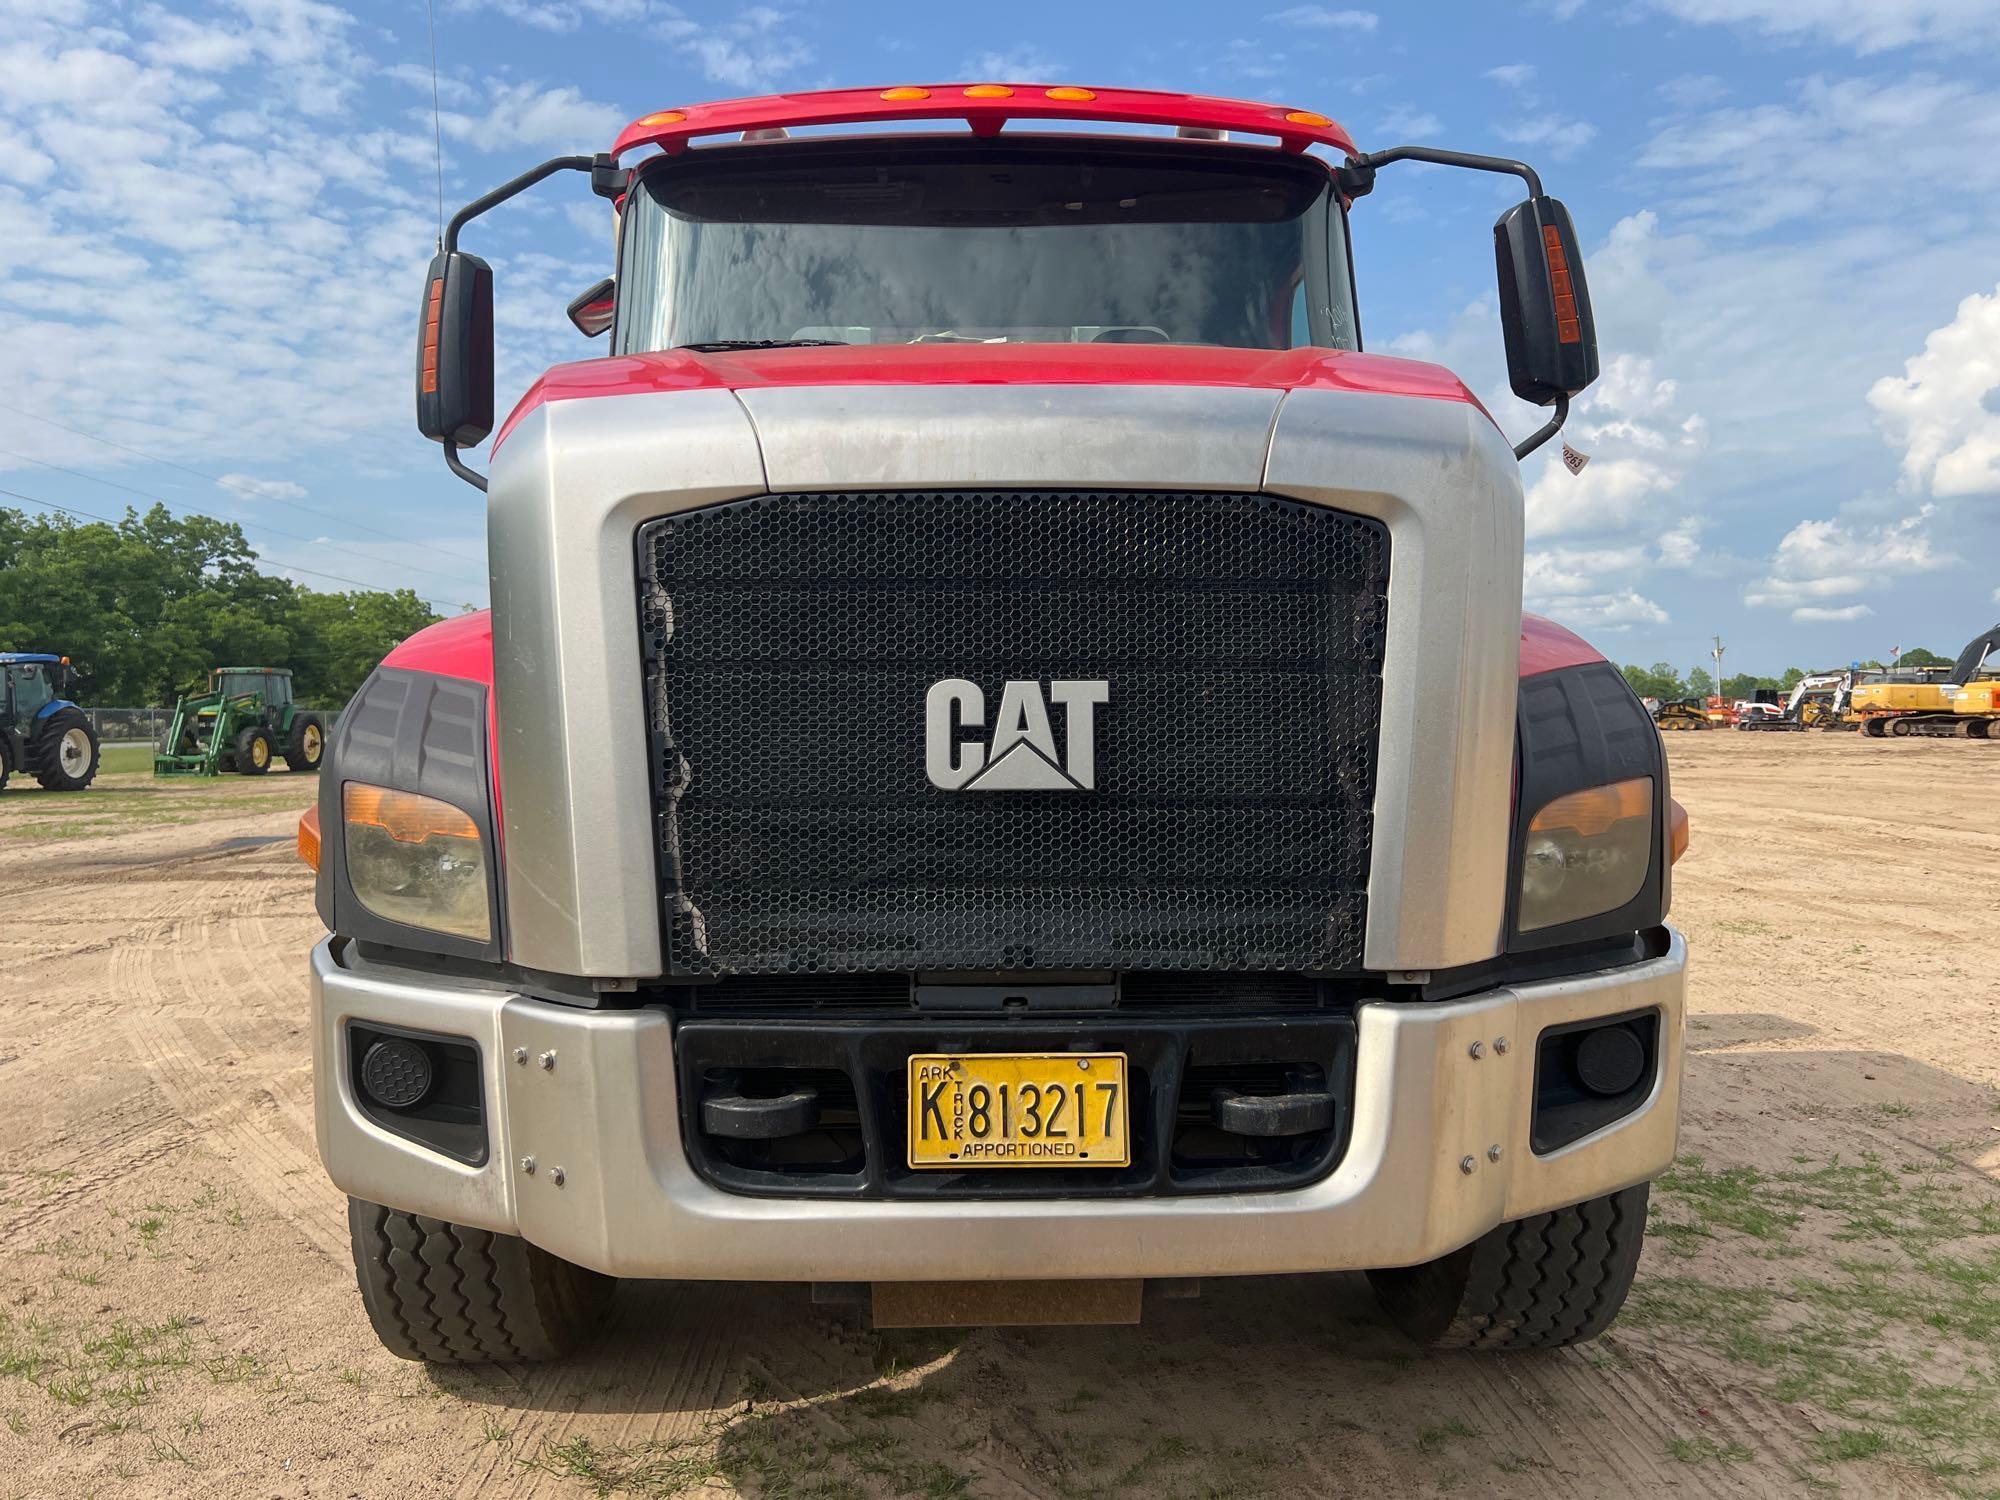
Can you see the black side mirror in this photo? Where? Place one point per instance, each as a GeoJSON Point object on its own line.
{"type": "Point", "coordinates": [593, 311]}
{"type": "Point", "coordinates": [1544, 303]}
{"type": "Point", "coordinates": [455, 351]}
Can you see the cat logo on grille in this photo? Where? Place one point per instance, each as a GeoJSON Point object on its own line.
{"type": "Point", "coordinates": [1022, 755]}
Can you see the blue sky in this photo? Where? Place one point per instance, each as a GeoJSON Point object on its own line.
{"type": "Point", "coordinates": [214, 221]}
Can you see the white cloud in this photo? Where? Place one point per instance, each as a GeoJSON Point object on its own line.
{"type": "Point", "coordinates": [1942, 410]}
{"type": "Point", "coordinates": [1327, 18]}
{"type": "Point", "coordinates": [1562, 138]}
{"type": "Point", "coordinates": [20, 161]}
{"type": "Point", "coordinates": [1613, 612]}
{"type": "Point", "coordinates": [1751, 168]}
{"type": "Point", "coordinates": [1512, 75]}
{"type": "Point", "coordinates": [1641, 444]}
{"type": "Point", "coordinates": [525, 114]}
{"type": "Point", "coordinates": [1813, 614]}
{"type": "Point", "coordinates": [1826, 560]}
{"type": "Point", "coordinates": [755, 48]}
{"type": "Point", "coordinates": [1680, 545]}
{"type": "Point", "coordinates": [262, 489]}
{"type": "Point", "coordinates": [1694, 91]}
{"type": "Point", "coordinates": [1865, 25]}
{"type": "Point", "coordinates": [1023, 64]}
{"type": "Point", "coordinates": [1407, 123]}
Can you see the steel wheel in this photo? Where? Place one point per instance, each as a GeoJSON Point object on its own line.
{"type": "Point", "coordinates": [73, 751]}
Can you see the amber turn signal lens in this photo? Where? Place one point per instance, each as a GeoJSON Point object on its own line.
{"type": "Point", "coordinates": [1592, 811]}
{"type": "Point", "coordinates": [404, 816]}
{"type": "Point", "coordinates": [989, 91]}
{"type": "Point", "coordinates": [1677, 830]}
{"type": "Point", "coordinates": [1307, 117]}
{"type": "Point", "coordinates": [664, 117]}
{"type": "Point", "coordinates": [1070, 95]}
{"type": "Point", "coordinates": [906, 92]}
{"type": "Point", "coordinates": [309, 838]}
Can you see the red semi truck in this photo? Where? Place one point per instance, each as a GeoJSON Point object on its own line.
{"type": "Point", "coordinates": [1005, 766]}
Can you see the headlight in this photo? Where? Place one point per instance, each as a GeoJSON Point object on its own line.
{"type": "Point", "coordinates": [416, 860]}
{"type": "Point", "coordinates": [1587, 853]}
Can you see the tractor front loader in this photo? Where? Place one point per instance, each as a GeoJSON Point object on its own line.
{"type": "Point", "coordinates": [241, 721]}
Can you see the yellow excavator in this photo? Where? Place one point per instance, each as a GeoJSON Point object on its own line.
{"type": "Point", "coordinates": [1961, 702]}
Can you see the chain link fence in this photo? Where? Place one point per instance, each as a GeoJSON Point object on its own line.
{"type": "Point", "coordinates": [134, 726]}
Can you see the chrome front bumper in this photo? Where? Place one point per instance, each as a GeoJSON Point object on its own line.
{"type": "Point", "coordinates": [1438, 1154]}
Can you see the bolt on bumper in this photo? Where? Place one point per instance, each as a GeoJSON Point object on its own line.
{"type": "Point", "coordinates": [585, 1158]}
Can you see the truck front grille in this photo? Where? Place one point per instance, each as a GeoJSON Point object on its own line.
{"type": "Point", "coordinates": [791, 642]}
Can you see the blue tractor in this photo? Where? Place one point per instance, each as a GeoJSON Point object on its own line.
{"type": "Point", "coordinates": [41, 731]}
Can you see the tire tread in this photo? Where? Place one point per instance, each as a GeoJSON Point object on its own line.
{"type": "Point", "coordinates": [1536, 1283]}
{"type": "Point", "coordinates": [449, 1294]}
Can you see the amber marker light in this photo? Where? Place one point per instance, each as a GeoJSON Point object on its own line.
{"type": "Point", "coordinates": [309, 838]}
{"type": "Point", "coordinates": [1677, 830]}
{"type": "Point", "coordinates": [664, 117]}
{"type": "Point", "coordinates": [1069, 95]}
{"type": "Point", "coordinates": [1569, 330]}
{"type": "Point", "coordinates": [989, 91]}
{"type": "Point", "coordinates": [907, 91]}
{"type": "Point", "coordinates": [433, 315]}
{"type": "Point", "coordinates": [1307, 117]}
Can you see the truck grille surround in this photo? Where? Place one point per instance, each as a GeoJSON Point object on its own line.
{"type": "Point", "coordinates": [790, 642]}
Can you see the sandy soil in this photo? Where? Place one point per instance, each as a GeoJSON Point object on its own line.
{"type": "Point", "coordinates": [1818, 1305]}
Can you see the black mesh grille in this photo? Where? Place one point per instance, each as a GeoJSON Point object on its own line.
{"type": "Point", "coordinates": [791, 642]}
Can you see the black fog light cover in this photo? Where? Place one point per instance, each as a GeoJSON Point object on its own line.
{"type": "Point", "coordinates": [1609, 1060]}
{"type": "Point", "coordinates": [1589, 1074]}
{"type": "Point", "coordinates": [396, 1072]}
{"type": "Point", "coordinates": [424, 1086]}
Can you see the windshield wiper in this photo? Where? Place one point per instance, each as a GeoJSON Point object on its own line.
{"type": "Point", "coordinates": [726, 346]}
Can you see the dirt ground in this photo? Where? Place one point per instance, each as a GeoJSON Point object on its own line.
{"type": "Point", "coordinates": [1818, 1305]}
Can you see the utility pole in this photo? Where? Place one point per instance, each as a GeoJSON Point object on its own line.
{"type": "Point", "coordinates": [1717, 654]}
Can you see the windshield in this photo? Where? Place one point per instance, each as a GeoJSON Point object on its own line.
{"type": "Point", "coordinates": [1073, 241]}
{"type": "Point", "coordinates": [33, 686]}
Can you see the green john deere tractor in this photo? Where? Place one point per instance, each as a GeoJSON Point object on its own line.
{"type": "Point", "coordinates": [242, 720]}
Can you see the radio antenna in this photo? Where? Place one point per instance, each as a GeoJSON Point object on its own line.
{"type": "Point", "coordinates": [437, 116]}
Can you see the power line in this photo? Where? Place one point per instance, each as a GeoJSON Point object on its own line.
{"type": "Point", "coordinates": [290, 536]}
{"type": "Point", "coordinates": [373, 588]}
{"type": "Point", "coordinates": [230, 484]}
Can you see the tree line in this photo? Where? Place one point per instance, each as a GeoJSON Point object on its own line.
{"type": "Point", "coordinates": [1662, 680]}
{"type": "Point", "coordinates": [150, 604]}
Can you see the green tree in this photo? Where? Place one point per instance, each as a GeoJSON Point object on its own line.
{"type": "Point", "coordinates": [1791, 679]}
{"type": "Point", "coordinates": [1657, 681]}
{"type": "Point", "coordinates": [1700, 684]}
{"type": "Point", "coordinates": [151, 603]}
{"type": "Point", "coordinates": [1917, 656]}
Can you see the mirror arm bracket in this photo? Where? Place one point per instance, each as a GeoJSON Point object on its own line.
{"type": "Point", "coordinates": [600, 167]}
{"type": "Point", "coordinates": [457, 466]}
{"type": "Point", "coordinates": [1534, 439]}
{"type": "Point", "coordinates": [1358, 175]}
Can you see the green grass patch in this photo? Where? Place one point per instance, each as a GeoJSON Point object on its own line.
{"type": "Point", "coordinates": [1896, 1337]}
{"type": "Point", "coordinates": [1705, 1450]}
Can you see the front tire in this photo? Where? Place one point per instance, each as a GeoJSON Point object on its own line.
{"type": "Point", "coordinates": [65, 752]}
{"type": "Point", "coordinates": [1536, 1283]}
{"type": "Point", "coordinates": [253, 750]}
{"type": "Point", "coordinates": [307, 746]}
{"type": "Point", "coordinates": [450, 1295]}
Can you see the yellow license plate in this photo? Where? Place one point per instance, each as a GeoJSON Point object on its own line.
{"type": "Point", "coordinates": [1019, 1109]}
